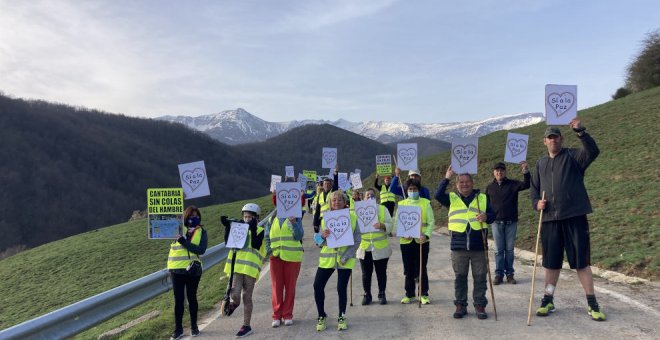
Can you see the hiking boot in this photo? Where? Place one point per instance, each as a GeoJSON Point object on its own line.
{"type": "Point", "coordinates": [406, 300]}
{"type": "Point", "coordinates": [177, 334]}
{"type": "Point", "coordinates": [546, 308]}
{"type": "Point", "coordinates": [460, 312]}
{"type": "Point", "coordinates": [320, 324]}
{"type": "Point", "coordinates": [510, 279]}
{"type": "Point", "coordinates": [481, 312]}
{"type": "Point", "coordinates": [244, 331]}
{"type": "Point", "coordinates": [498, 280]}
{"type": "Point", "coordinates": [276, 323]}
{"type": "Point", "coordinates": [425, 299]}
{"type": "Point", "coordinates": [597, 314]}
{"type": "Point", "coordinates": [366, 300]}
{"type": "Point", "coordinates": [381, 299]}
{"type": "Point", "coordinates": [341, 323]}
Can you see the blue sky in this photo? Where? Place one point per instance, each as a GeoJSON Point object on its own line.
{"type": "Point", "coordinates": [414, 61]}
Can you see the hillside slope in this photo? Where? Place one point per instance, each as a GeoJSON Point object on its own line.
{"type": "Point", "coordinates": [425, 146]}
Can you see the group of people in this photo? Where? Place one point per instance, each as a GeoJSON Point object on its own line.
{"type": "Point", "coordinates": [556, 189]}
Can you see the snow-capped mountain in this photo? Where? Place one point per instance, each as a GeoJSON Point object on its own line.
{"type": "Point", "coordinates": [239, 127]}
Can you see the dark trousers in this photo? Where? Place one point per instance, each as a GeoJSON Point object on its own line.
{"type": "Point", "coordinates": [390, 207]}
{"type": "Point", "coordinates": [410, 256]}
{"type": "Point", "coordinates": [368, 265]}
{"type": "Point", "coordinates": [187, 283]}
{"type": "Point", "coordinates": [321, 279]}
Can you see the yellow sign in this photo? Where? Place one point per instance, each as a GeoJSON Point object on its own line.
{"type": "Point", "coordinates": [165, 201]}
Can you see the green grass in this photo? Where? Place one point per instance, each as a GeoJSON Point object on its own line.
{"type": "Point", "coordinates": [49, 277]}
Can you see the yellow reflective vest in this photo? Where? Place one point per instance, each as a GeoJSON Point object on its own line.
{"type": "Point", "coordinates": [330, 257]}
{"type": "Point", "coordinates": [282, 243]}
{"type": "Point", "coordinates": [323, 202]}
{"type": "Point", "coordinates": [460, 214]}
{"type": "Point", "coordinates": [180, 257]}
{"type": "Point", "coordinates": [386, 195]}
{"type": "Point", "coordinates": [248, 259]}
{"type": "Point", "coordinates": [428, 220]}
{"type": "Point", "coordinates": [378, 238]}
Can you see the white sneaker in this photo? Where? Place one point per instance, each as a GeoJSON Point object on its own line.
{"type": "Point", "coordinates": [288, 322]}
{"type": "Point", "coordinates": [276, 323]}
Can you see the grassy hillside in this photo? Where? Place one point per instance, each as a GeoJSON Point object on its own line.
{"type": "Point", "coordinates": [425, 146]}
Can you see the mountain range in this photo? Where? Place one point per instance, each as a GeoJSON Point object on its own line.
{"type": "Point", "coordinates": [239, 127]}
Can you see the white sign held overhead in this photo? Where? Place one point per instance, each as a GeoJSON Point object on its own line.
{"type": "Point", "coordinates": [406, 154]}
{"type": "Point", "coordinates": [356, 181]}
{"type": "Point", "coordinates": [288, 171]}
{"type": "Point", "coordinates": [288, 200]}
{"type": "Point", "coordinates": [237, 235]}
{"type": "Point", "coordinates": [367, 214]}
{"type": "Point", "coordinates": [516, 148]}
{"type": "Point", "coordinates": [464, 152]}
{"type": "Point", "coordinates": [193, 180]}
{"type": "Point", "coordinates": [408, 221]}
{"type": "Point", "coordinates": [329, 158]}
{"type": "Point", "coordinates": [302, 180]}
{"type": "Point", "coordinates": [339, 224]}
{"type": "Point", "coordinates": [343, 184]}
{"type": "Point", "coordinates": [274, 179]}
{"type": "Point", "coordinates": [560, 104]}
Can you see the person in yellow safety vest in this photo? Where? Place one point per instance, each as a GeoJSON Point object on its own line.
{"type": "Point", "coordinates": [283, 237]}
{"type": "Point", "coordinates": [355, 196]}
{"type": "Point", "coordinates": [342, 259]}
{"type": "Point", "coordinates": [247, 265]}
{"type": "Point", "coordinates": [322, 203]}
{"type": "Point", "coordinates": [387, 197]}
{"type": "Point", "coordinates": [185, 268]}
{"type": "Point", "coordinates": [469, 216]}
{"type": "Point", "coordinates": [375, 251]}
{"type": "Point", "coordinates": [410, 246]}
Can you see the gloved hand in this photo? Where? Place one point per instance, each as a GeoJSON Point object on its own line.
{"type": "Point", "coordinates": [181, 239]}
{"type": "Point", "coordinates": [253, 225]}
{"type": "Point", "coordinates": [225, 221]}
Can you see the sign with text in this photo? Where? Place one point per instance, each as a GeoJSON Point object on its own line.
{"type": "Point", "coordinates": [384, 165]}
{"type": "Point", "coordinates": [302, 181]}
{"type": "Point", "coordinates": [367, 214]}
{"type": "Point", "coordinates": [464, 153]}
{"type": "Point", "coordinates": [165, 210]}
{"type": "Point", "coordinates": [407, 156]}
{"type": "Point", "coordinates": [408, 221]}
{"type": "Point", "coordinates": [193, 180]}
{"type": "Point", "coordinates": [339, 224]}
{"type": "Point", "coordinates": [310, 174]}
{"type": "Point", "coordinates": [344, 184]}
{"type": "Point", "coordinates": [289, 172]}
{"type": "Point", "coordinates": [237, 235]}
{"type": "Point", "coordinates": [516, 148]}
{"type": "Point", "coordinates": [329, 158]}
{"type": "Point", "coordinates": [274, 179]}
{"type": "Point", "coordinates": [288, 200]}
{"type": "Point", "coordinates": [560, 104]}
{"type": "Point", "coordinates": [356, 181]}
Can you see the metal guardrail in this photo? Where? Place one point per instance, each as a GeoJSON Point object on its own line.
{"type": "Point", "coordinates": [73, 319]}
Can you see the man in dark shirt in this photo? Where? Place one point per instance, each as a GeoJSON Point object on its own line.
{"type": "Point", "coordinates": [502, 193]}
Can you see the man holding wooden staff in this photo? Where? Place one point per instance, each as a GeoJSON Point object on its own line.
{"type": "Point", "coordinates": [564, 226]}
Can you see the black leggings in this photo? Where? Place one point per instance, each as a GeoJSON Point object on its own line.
{"type": "Point", "coordinates": [410, 256]}
{"type": "Point", "coordinates": [181, 282]}
{"type": "Point", "coordinates": [321, 279]}
{"type": "Point", "coordinates": [368, 265]}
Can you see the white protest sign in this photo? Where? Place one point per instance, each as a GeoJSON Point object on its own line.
{"type": "Point", "coordinates": [367, 214]}
{"type": "Point", "coordinates": [358, 171]}
{"type": "Point", "coordinates": [274, 179]}
{"type": "Point", "coordinates": [344, 184]}
{"type": "Point", "coordinates": [329, 158]}
{"type": "Point", "coordinates": [560, 104]}
{"type": "Point", "coordinates": [339, 224]}
{"type": "Point", "coordinates": [288, 171]}
{"type": "Point", "coordinates": [193, 180]}
{"type": "Point", "coordinates": [516, 148]}
{"type": "Point", "coordinates": [302, 180]}
{"type": "Point", "coordinates": [356, 181]}
{"type": "Point", "coordinates": [288, 200]}
{"type": "Point", "coordinates": [407, 156]}
{"type": "Point", "coordinates": [237, 235]}
{"type": "Point", "coordinates": [464, 153]}
{"type": "Point", "coordinates": [408, 221]}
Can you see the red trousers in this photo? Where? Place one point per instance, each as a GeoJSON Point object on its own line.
{"type": "Point", "coordinates": [283, 277]}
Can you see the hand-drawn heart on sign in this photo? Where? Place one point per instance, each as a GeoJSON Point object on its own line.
{"type": "Point", "coordinates": [193, 178]}
{"type": "Point", "coordinates": [238, 234]}
{"type": "Point", "coordinates": [516, 146]}
{"type": "Point", "coordinates": [561, 103]}
{"type": "Point", "coordinates": [366, 215]}
{"type": "Point", "coordinates": [464, 153]}
{"type": "Point", "coordinates": [409, 220]}
{"type": "Point", "coordinates": [407, 155]}
{"type": "Point", "coordinates": [288, 198]}
{"type": "Point", "coordinates": [338, 226]}
{"type": "Point", "coordinates": [329, 156]}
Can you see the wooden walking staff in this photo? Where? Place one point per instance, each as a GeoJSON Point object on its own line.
{"type": "Point", "coordinates": [351, 279]}
{"type": "Point", "coordinates": [490, 280]}
{"type": "Point", "coordinates": [536, 255]}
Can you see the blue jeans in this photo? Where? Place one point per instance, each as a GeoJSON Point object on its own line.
{"type": "Point", "coordinates": [504, 234]}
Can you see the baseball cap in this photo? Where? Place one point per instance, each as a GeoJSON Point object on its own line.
{"type": "Point", "coordinates": [551, 130]}
{"type": "Point", "coordinates": [414, 172]}
{"type": "Point", "coordinates": [499, 165]}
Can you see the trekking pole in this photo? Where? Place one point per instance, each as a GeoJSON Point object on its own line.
{"type": "Point", "coordinates": [224, 308]}
{"type": "Point", "coordinates": [419, 276]}
{"type": "Point", "coordinates": [485, 241]}
{"type": "Point", "coordinates": [536, 255]}
{"type": "Point", "coordinates": [351, 279]}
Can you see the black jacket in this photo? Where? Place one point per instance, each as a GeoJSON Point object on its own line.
{"type": "Point", "coordinates": [562, 179]}
{"type": "Point", "coordinates": [504, 197]}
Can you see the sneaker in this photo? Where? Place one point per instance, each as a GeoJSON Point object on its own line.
{"type": "Point", "coordinates": [481, 312]}
{"type": "Point", "coordinates": [230, 308]}
{"type": "Point", "coordinates": [597, 314]}
{"type": "Point", "coordinates": [381, 299]}
{"type": "Point", "coordinates": [195, 332]}
{"type": "Point", "coordinates": [288, 322]}
{"type": "Point", "coordinates": [460, 312]}
{"type": "Point", "coordinates": [244, 331]}
{"type": "Point", "coordinates": [320, 325]}
{"type": "Point", "coordinates": [498, 280]}
{"type": "Point", "coordinates": [177, 335]}
{"type": "Point", "coordinates": [341, 323]}
{"type": "Point", "coordinates": [276, 323]}
{"type": "Point", "coordinates": [546, 308]}
{"type": "Point", "coordinates": [510, 279]}
{"type": "Point", "coordinates": [425, 299]}
{"type": "Point", "coordinates": [366, 300]}
{"type": "Point", "coordinates": [406, 300]}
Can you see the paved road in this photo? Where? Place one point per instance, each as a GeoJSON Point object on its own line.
{"type": "Point", "coordinates": [631, 309]}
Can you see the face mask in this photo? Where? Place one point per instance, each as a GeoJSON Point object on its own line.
{"type": "Point", "coordinates": [193, 221]}
{"type": "Point", "coordinates": [414, 195]}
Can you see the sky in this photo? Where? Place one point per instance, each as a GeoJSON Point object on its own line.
{"type": "Point", "coordinates": [418, 61]}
